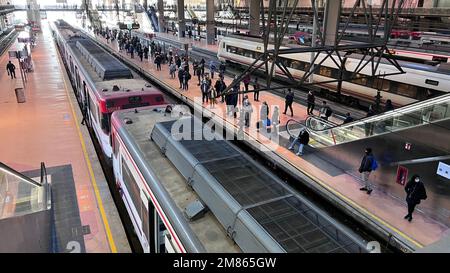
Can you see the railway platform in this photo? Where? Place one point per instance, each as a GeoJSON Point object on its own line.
{"type": "Point", "coordinates": [46, 128]}
{"type": "Point", "coordinates": [380, 212]}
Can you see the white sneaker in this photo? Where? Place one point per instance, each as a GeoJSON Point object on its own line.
{"type": "Point", "coordinates": [290, 148]}
{"type": "Point", "coordinates": [298, 154]}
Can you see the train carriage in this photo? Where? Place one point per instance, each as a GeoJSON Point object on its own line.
{"type": "Point", "coordinates": [424, 81]}
{"type": "Point", "coordinates": [102, 83]}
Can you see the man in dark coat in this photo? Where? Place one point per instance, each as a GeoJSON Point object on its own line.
{"type": "Point", "coordinates": [220, 86]}
{"type": "Point", "coordinates": [11, 69]}
{"type": "Point", "coordinates": [181, 76]}
{"type": "Point", "coordinates": [289, 99]}
{"type": "Point", "coordinates": [415, 191]}
{"type": "Point", "coordinates": [302, 139]}
{"type": "Point", "coordinates": [365, 168]}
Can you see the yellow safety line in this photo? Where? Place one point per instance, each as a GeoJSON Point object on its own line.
{"type": "Point", "coordinates": [89, 165]}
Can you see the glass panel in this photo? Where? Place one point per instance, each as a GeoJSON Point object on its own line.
{"type": "Point", "coordinates": [325, 133]}
{"type": "Point", "coordinates": [20, 195]}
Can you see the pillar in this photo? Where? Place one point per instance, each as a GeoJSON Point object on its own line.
{"type": "Point", "coordinates": [161, 21]}
{"type": "Point", "coordinates": [33, 13]}
{"type": "Point", "coordinates": [331, 21]}
{"type": "Point", "coordinates": [255, 10]}
{"type": "Point", "coordinates": [210, 32]}
{"type": "Point", "coordinates": [181, 21]}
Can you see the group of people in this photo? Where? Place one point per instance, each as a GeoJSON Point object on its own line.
{"type": "Point", "coordinates": [179, 67]}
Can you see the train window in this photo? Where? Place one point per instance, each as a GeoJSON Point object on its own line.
{"type": "Point", "coordinates": [325, 71]}
{"type": "Point", "coordinates": [406, 90]}
{"type": "Point", "coordinates": [286, 62]}
{"type": "Point", "coordinates": [296, 65]}
{"type": "Point", "coordinates": [131, 185]}
{"type": "Point", "coordinates": [381, 84]}
{"type": "Point", "coordinates": [360, 79]}
{"type": "Point", "coordinates": [248, 53]}
{"type": "Point", "coordinates": [240, 51]}
{"type": "Point", "coordinates": [231, 49]}
{"type": "Point", "coordinates": [431, 82]}
{"type": "Point", "coordinates": [159, 99]}
{"type": "Point", "coordinates": [106, 121]}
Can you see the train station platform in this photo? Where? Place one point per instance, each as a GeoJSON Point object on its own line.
{"type": "Point", "coordinates": [379, 212]}
{"type": "Point", "coordinates": [46, 128]}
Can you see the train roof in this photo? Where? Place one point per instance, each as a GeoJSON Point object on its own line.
{"type": "Point", "coordinates": [245, 200]}
{"type": "Point", "coordinates": [173, 194]}
{"type": "Point", "coordinates": [110, 76]}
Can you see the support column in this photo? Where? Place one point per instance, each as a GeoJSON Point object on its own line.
{"type": "Point", "coordinates": [181, 21]}
{"type": "Point", "coordinates": [255, 11]}
{"type": "Point", "coordinates": [210, 31]}
{"type": "Point", "coordinates": [161, 20]}
{"type": "Point", "coordinates": [33, 13]}
{"type": "Point", "coordinates": [331, 21]}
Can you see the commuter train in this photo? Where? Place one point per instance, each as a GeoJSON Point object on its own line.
{"type": "Point", "coordinates": [420, 82]}
{"type": "Point", "coordinates": [101, 82]}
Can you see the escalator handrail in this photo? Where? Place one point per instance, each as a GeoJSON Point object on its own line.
{"type": "Point", "coordinates": [375, 118]}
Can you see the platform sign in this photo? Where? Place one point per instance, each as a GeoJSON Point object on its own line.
{"type": "Point", "coordinates": [443, 170]}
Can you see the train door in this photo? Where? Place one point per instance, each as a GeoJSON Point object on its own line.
{"type": "Point", "coordinates": [153, 228]}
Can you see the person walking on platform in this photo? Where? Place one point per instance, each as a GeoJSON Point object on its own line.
{"type": "Point", "coordinates": [199, 74]}
{"type": "Point", "coordinates": [194, 66]}
{"type": "Point", "coordinates": [205, 88]}
{"type": "Point", "coordinates": [172, 70]}
{"type": "Point", "coordinates": [186, 78]}
{"type": "Point", "coordinates": [212, 69]}
{"type": "Point", "coordinates": [368, 164]}
{"type": "Point", "coordinates": [202, 65]}
{"type": "Point", "coordinates": [248, 110]}
{"type": "Point", "coordinates": [415, 191]}
{"type": "Point", "coordinates": [325, 111]}
{"type": "Point", "coordinates": [246, 81]}
{"type": "Point", "coordinates": [289, 99]}
{"type": "Point", "coordinates": [348, 118]}
{"type": "Point", "coordinates": [310, 100]}
{"type": "Point", "coordinates": [11, 69]}
{"type": "Point", "coordinates": [220, 87]}
{"type": "Point", "coordinates": [275, 120]}
{"type": "Point", "coordinates": [302, 139]}
{"type": "Point", "coordinates": [84, 113]}
{"type": "Point", "coordinates": [222, 68]}
{"type": "Point", "coordinates": [256, 87]}
{"type": "Point", "coordinates": [369, 126]}
{"type": "Point", "coordinates": [178, 61]}
{"type": "Point", "coordinates": [180, 76]}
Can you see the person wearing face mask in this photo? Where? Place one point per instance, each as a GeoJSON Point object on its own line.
{"type": "Point", "coordinates": [415, 191]}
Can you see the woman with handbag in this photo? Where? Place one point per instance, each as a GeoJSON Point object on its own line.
{"type": "Point", "coordinates": [415, 191]}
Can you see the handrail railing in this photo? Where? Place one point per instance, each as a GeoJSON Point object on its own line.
{"type": "Point", "coordinates": [426, 112]}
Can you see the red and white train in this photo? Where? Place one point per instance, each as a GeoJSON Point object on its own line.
{"type": "Point", "coordinates": [101, 82]}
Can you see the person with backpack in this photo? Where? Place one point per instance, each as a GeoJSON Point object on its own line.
{"type": "Point", "coordinates": [325, 111]}
{"type": "Point", "coordinates": [289, 99]}
{"type": "Point", "coordinates": [368, 164]}
{"type": "Point", "coordinates": [415, 191]}
{"type": "Point", "coordinates": [302, 139]}
{"type": "Point", "coordinates": [246, 81]}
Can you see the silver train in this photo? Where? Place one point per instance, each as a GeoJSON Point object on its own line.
{"type": "Point", "coordinates": [420, 82]}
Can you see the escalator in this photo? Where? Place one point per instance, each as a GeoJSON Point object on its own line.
{"type": "Point", "coordinates": [151, 12]}
{"type": "Point", "coordinates": [326, 133]}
